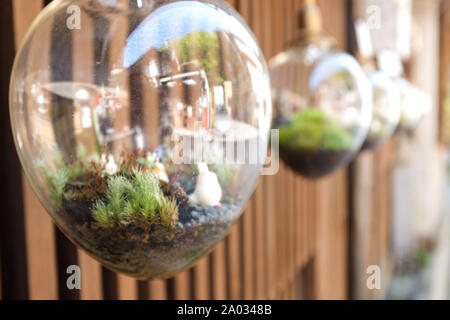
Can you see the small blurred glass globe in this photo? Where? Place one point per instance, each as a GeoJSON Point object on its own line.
{"type": "Point", "coordinates": [137, 123]}
{"type": "Point", "coordinates": [386, 108]}
{"type": "Point", "coordinates": [322, 101]}
{"type": "Point", "coordinates": [414, 105]}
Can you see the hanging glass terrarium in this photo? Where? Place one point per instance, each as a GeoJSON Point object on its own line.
{"type": "Point", "coordinates": [414, 105]}
{"type": "Point", "coordinates": [137, 123]}
{"type": "Point", "coordinates": [322, 100]}
{"type": "Point", "coordinates": [385, 94]}
{"type": "Point", "coordinates": [385, 109]}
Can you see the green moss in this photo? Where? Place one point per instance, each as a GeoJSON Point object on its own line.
{"type": "Point", "coordinates": [102, 215]}
{"type": "Point", "coordinates": [57, 181]}
{"type": "Point", "coordinates": [128, 196]}
{"type": "Point", "coordinates": [336, 139]}
{"type": "Point", "coordinates": [169, 212]}
{"type": "Point", "coordinates": [138, 199]}
{"type": "Point", "coordinates": [312, 129]}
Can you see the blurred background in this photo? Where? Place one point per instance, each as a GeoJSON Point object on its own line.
{"type": "Point", "coordinates": [297, 239]}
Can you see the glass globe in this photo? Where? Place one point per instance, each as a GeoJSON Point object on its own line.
{"type": "Point", "coordinates": [385, 109]}
{"type": "Point", "coordinates": [141, 125]}
{"type": "Point", "coordinates": [322, 101]}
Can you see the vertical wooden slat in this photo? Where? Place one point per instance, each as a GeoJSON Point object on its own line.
{"type": "Point", "coordinates": [247, 252]}
{"type": "Point", "coordinates": [233, 244]}
{"type": "Point", "coordinates": [200, 278]}
{"type": "Point", "coordinates": [158, 290]}
{"type": "Point", "coordinates": [14, 277]}
{"type": "Point", "coordinates": [218, 276]}
{"type": "Point", "coordinates": [270, 240]}
{"type": "Point", "coordinates": [127, 288]}
{"type": "Point", "coordinates": [180, 286]}
{"type": "Point", "coordinates": [38, 225]}
{"type": "Point", "coordinates": [259, 237]}
{"type": "Point", "coordinates": [342, 205]}
{"type": "Point", "coordinates": [281, 231]}
{"type": "Point", "coordinates": [290, 240]}
{"type": "Point", "coordinates": [320, 243]}
{"type": "Point", "coordinates": [444, 74]}
{"type": "Point", "coordinates": [281, 198]}
{"type": "Point", "coordinates": [24, 12]}
{"type": "Point", "coordinates": [264, 32]}
{"type": "Point", "coordinates": [91, 279]}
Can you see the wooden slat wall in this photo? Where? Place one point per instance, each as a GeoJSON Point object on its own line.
{"type": "Point", "coordinates": [444, 112]}
{"type": "Point", "coordinates": [13, 260]}
{"type": "Point", "coordinates": [290, 243]}
{"type": "Point", "coordinates": [372, 176]}
{"type": "Point", "coordinates": [370, 227]}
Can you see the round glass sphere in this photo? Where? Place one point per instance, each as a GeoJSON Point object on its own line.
{"type": "Point", "coordinates": [414, 104]}
{"type": "Point", "coordinates": [141, 125]}
{"type": "Point", "coordinates": [385, 109]}
{"type": "Point", "coordinates": [322, 101]}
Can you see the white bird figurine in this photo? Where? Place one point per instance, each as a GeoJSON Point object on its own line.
{"type": "Point", "coordinates": [207, 190]}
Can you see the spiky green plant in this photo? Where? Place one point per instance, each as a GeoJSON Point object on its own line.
{"type": "Point", "coordinates": [102, 215]}
{"type": "Point", "coordinates": [116, 195]}
{"type": "Point", "coordinates": [57, 182]}
{"type": "Point", "coordinates": [136, 198]}
{"type": "Point", "coordinates": [145, 196]}
{"type": "Point", "coordinates": [109, 212]}
{"type": "Point", "coordinates": [169, 213]}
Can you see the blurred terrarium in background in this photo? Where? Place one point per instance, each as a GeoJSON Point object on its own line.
{"type": "Point", "coordinates": [385, 110]}
{"type": "Point", "coordinates": [322, 100]}
{"type": "Point", "coordinates": [386, 99]}
{"type": "Point", "coordinates": [135, 150]}
{"type": "Point", "coordinates": [414, 102]}
{"type": "Point", "coordinates": [414, 105]}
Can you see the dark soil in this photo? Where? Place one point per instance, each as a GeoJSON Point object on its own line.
{"type": "Point", "coordinates": [315, 163]}
{"type": "Point", "coordinates": [155, 252]}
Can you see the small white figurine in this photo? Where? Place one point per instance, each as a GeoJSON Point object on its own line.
{"type": "Point", "coordinates": [207, 190]}
{"type": "Point", "coordinates": [110, 164]}
{"type": "Point", "coordinates": [159, 167]}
